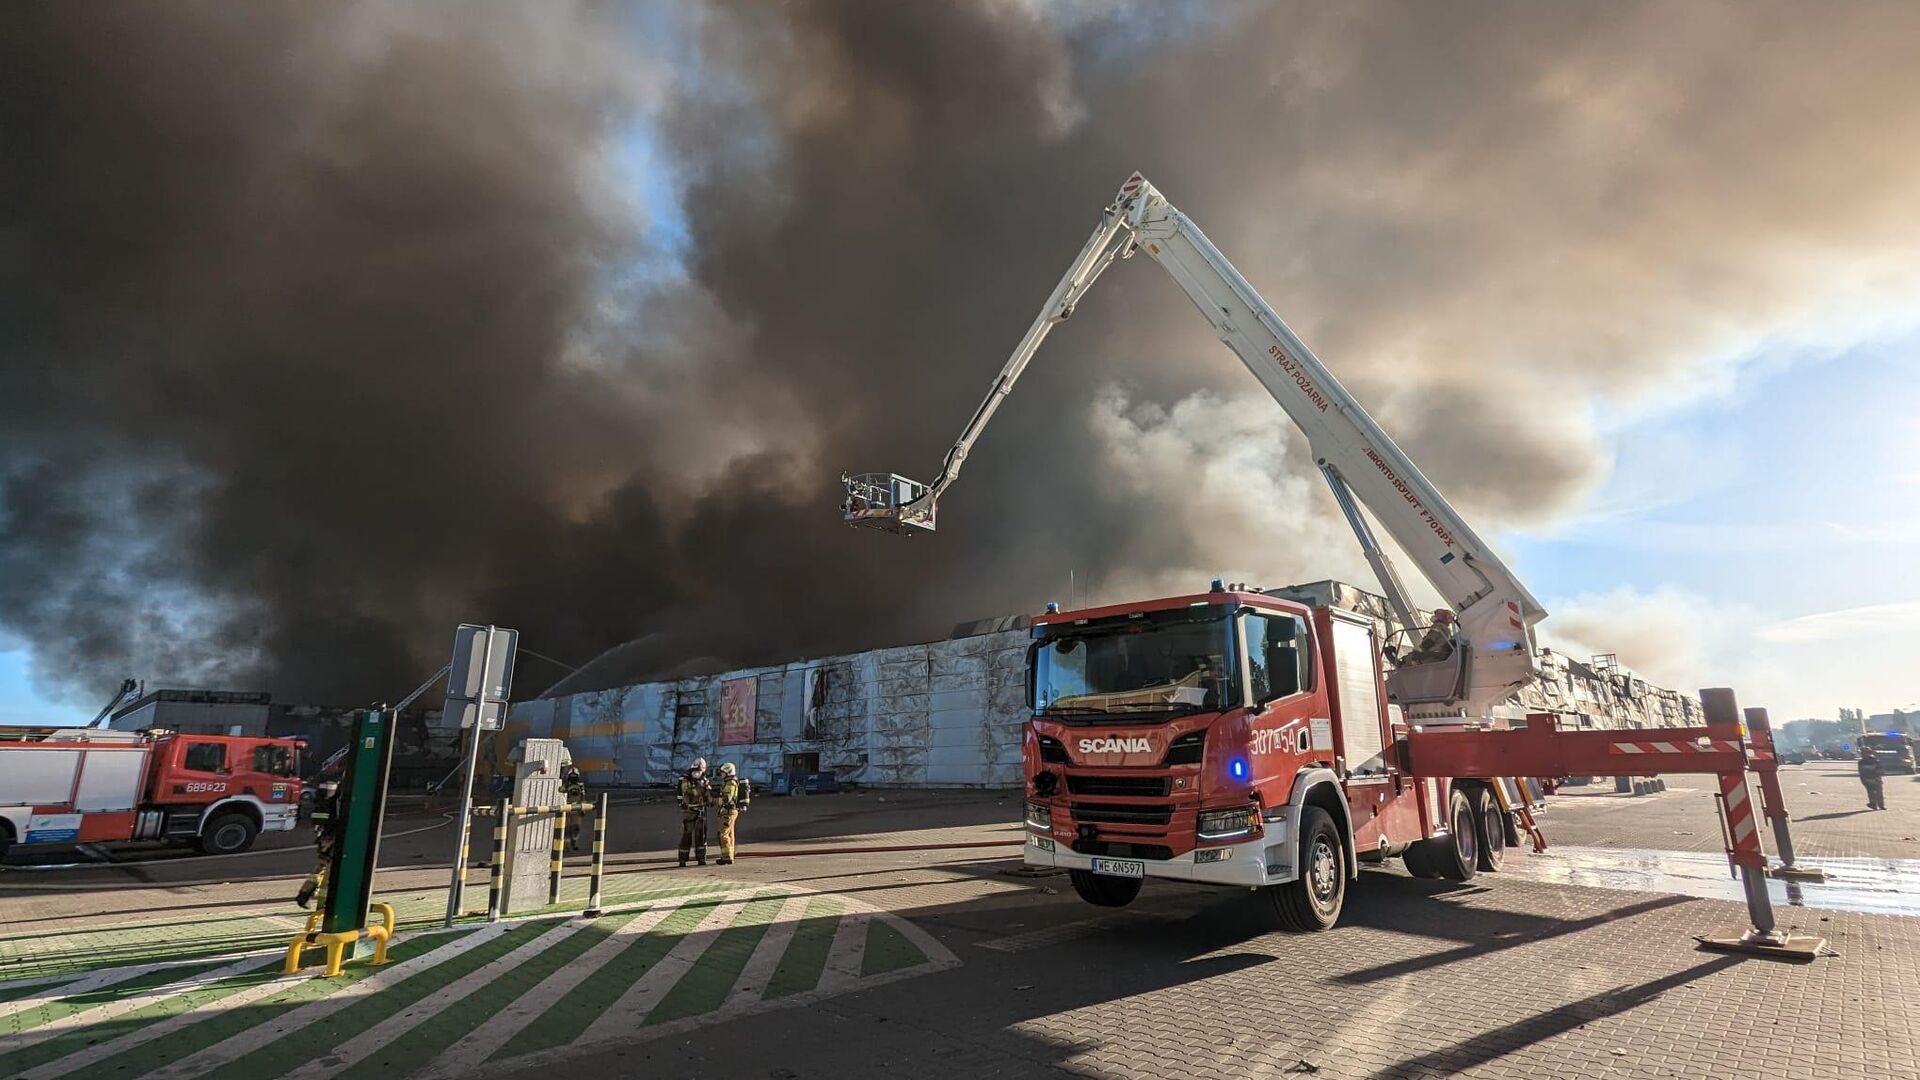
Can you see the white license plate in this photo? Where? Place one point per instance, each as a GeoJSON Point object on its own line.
{"type": "Point", "coordinates": [1120, 867]}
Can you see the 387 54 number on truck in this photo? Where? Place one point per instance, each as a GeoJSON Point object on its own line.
{"type": "Point", "coordinates": [83, 785]}
{"type": "Point", "coordinates": [1239, 739]}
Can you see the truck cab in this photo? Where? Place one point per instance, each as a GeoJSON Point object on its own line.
{"type": "Point", "coordinates": [1198, 737]}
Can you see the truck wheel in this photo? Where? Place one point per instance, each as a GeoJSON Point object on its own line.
{"type": "Point", "coordinates": [227, 834]}
{"type": "Point", "coordinates": [1457, 855]}
{"type": "Point", "coordinates": [6, 838]}
{"type": "Point", "coordinates": [1312, 900]}
{"type": "Point", "coordinates": [1102, 890]}
{"type": "Point", "coordinates": [1493, 829]}
{"type": "Point", "coordinates": [1418, 864]}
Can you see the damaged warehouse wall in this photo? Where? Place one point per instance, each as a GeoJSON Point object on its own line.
{"type": "Point", "coordinates": [941, 714]}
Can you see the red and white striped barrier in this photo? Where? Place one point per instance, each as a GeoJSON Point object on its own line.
{"type": "Point", "coordinates": [1704, 746]}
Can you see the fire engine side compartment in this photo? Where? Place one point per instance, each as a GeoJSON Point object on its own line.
{"type": "Point", "coordinates": [72, 793]}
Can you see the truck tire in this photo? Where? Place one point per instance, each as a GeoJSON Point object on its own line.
{"type": "Point", "coordinates": [1102, 890]}
{"type": "Point", "coordinates": [1456, 856]}
{"type": "Point", "coordinates": [1313, 899]}
{"type": "Point", "coordinates": [227, 833]}
{"type": "Point", "coordinates": [1493, 829]}
{"type": "Point", "coordinates": [6, 837]}
{"type": "Point", "coordinates": [1418, 864]}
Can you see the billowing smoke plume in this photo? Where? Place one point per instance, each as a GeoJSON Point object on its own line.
{"type": "Point", "coordinates": [325, 327]}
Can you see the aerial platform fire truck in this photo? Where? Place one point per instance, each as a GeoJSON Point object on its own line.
{"type": "Point", "coordinates": [1238, 738]}
{"type": "Point", "coordinates": [88, 785]}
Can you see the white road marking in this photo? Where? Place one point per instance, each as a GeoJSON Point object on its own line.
{"type": "Point", "coordinates": [108, 1010]}
{"type": "Point", "coordinates": [625, 1015]}
{"type": "Point", "coordinates": [765, 960]}
{"type": "Point", "coordinates": [63, 986]}
{"type": "Point", "coordinates": [253, 1038]}
{"type": "Point", "coordinates": [477, 1047]}
{"type": "Point", "coordinates": [101, 1051]}
{"type": "Point", "coordinates": [368, 1042]}
{"type": "Point", "coordinates": [848, 951]}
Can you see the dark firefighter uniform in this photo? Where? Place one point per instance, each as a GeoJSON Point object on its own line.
{"type": "Point", "coordinates": [326, 821]}
{"type": "Point", "coordinates": [731, 795]}
{"type": "Point", "coordinates": [695, 796]}
{"type": "Point", "coordinates": [573, 789]}
{"type": "Point", "coordinates": [1870, 778]}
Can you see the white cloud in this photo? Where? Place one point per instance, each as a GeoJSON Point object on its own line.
{"type": "Point", "coordinates": [1807, 665]}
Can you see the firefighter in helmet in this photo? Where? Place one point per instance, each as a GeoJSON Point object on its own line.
{"type": "Point", "coordinates": [326, 826]}
{"type": "Point", "coordinates": [731, 795]}
{"type": "Point", "coordinates": [1437, 643]}
{"type": "Point", "coordinates": [573, 788]}
{"type": "Point", "coordinates": [695, 796]}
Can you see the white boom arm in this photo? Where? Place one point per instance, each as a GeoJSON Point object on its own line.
{"type": "Point", "coordinates": [1360, 462]}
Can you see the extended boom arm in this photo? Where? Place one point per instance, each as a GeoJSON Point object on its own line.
{"type": "Point", "coordinates": [1363, 466]}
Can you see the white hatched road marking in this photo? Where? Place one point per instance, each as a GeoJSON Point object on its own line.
{"type": "Point", "coordinates": [849, 949]}
{"type": "Point", "coordinates": [938, 958]}
{"type": "Point", "coordinates": [766, 956]}
{"type": "Point", "coordinates": [101, 1051]}
{"type": "Point", "coordinates": [253, 1038]}
{"type": "Point", "coordinates": [64, 986]}
{"type": "Point", "coordinates": [625, 1015]}
{"type": "Point", "coordinates": [108, 1010]}
{"type": "Point", "coordinates": [496, 1032]}
{"type": "Point", "coordinates": [370, 1041]}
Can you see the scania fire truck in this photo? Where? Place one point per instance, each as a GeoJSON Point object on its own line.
{"type": "Point", "coordinates": [1237, 737]}
{"type": "Point", "coordinates": [88, 785]}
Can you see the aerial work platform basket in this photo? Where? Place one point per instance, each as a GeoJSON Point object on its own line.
{"type": "Point", "coordinates": [888, 502]}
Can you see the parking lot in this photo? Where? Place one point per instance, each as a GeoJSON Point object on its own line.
{"type": "Point", "coordinates": [947, 961]}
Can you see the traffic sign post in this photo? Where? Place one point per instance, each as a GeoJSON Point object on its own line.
{"type": "Point", "coordinates": [478, 683]}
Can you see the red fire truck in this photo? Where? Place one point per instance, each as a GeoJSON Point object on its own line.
{"type": "Point", "coordinates": [87, 785]}
{"type": "Point", "coordinates": [1240, 738]}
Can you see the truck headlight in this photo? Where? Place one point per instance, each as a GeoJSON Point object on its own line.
{"type": "Point", "coordinates": [1225, 824]}
{"type": "Point", "coordinates": [1039, 817]}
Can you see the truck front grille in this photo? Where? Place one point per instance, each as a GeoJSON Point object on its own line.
{"type": "Point", "coordinates": [1155, 787]}
{"type": "Point", "coordinates": [1121, 813]}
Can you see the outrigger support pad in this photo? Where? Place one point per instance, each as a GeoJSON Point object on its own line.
{"type": "Point", "coordinates": [1778, 944]}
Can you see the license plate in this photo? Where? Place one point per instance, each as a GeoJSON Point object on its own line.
{"type": "Point", "coordinates": [1120, 867]}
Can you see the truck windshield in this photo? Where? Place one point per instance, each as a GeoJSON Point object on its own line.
{"type": "Point", "coordinates": [1159, 663]}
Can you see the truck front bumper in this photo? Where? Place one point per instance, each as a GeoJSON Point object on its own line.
{"type": "Point", "coordinates": [1263, 860]}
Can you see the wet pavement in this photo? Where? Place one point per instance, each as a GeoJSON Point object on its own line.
{"type": "Point", "coordinates": [1868, 885]}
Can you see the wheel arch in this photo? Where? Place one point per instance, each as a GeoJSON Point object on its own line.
{"type": "Point", "coordinates": [1321, 788]}
{"type": "Point", "coordinates": [230, 804]}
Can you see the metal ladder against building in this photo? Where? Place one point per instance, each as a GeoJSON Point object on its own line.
{"type": "Point", "coordinates": [685, 708]}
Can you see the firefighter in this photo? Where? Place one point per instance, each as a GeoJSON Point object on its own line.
{"type": "Point", "coordinates": [1437, 643]}
{"type": "Point", "coordinates": [573, 788]}
{"type": "Point", "coordinates": [1870, 778]}
{"type": "Point", "coordinates": [731, 795]}
{"type": "Point", "coordinates": [326, 822]}
{"type": "Point", "coordinates": [695, 796]}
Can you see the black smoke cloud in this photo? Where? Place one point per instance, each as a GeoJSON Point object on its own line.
{"type": "Point", "coordinates": [325, 327]}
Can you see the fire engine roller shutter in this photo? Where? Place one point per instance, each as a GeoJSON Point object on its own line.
{"type": "Point", "coordinates": [30, 777]}
{"type": "Point", "coordinates": [112, 779]}
{"type": "Point", "coordinates": [1353, 665]}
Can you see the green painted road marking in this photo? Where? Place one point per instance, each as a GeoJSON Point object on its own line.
{"type": "Point", "coordinates": [77, 952]}
{"type": "Point", "coordinates": [806, 958]}
{"type": "Point", "coordinates": [68, 1042]}
{"type": "Point", "coordinates": [221, 1026]}
{"type": "Point", "coordinates": [430, 1038]}
{"type": "Point", "coordinates": [888, 950]}
{"type": "Point", "coordinates": [568, 1019]}
{"type": "Point", "coordinates": [705, 987]}
{"type": "Point", "coordinates": [298, 1047]}
{"type": "Point", "coordinates": [60, 1008]}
